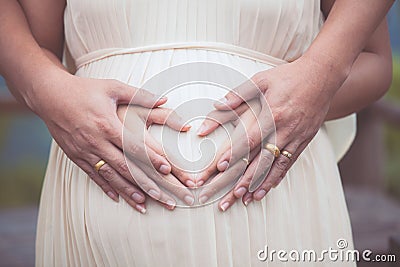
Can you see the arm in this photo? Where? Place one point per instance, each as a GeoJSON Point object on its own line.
{"type": "Point", "coordinates": [296, 97]}
{"type": "Point", "coordinates": [370, 75]}
{"type": "Point", "coordinates": [30, 62]}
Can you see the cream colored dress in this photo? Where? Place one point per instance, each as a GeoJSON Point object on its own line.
{"type": "Point", "coordinates": [133, 41]}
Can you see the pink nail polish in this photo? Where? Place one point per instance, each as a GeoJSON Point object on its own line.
{"type": "Point", "coordinates": [201, 130]}
{"type": "Point", "coordinates": [190, 183]}
{"type": "Point", "coordinates": [203, 199]}
{"type": "Point", "coordinates": [141, 208]}
{"type": "Point", "coordinates": [241, 191]}
{"type": "Point", "coordinates": [223, 166]}
{"type": "Point", "coordinates": [165, 169]}
{"type": "Point", "coordinates": [224, 206]}
{"type": "Point", "coordinates": [137, 197]}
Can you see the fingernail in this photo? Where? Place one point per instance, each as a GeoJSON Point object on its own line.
{"type": "Point", "coordinates": [154, 194]}
{"type": "Point", "coordinates": [241, 191]}
{"type": "Point", "coordinates": [200, 183]}
{"type": "Point", "coordinates": [260, 194]}
{"type": "Point", "coordinates": [224, 206]}
{"type": "Point", "coordinates": [203, 199]}
{"type": "Point", "coordinates": [171, 203]}
{"type": "Point", "coordinates": [189, 200]}
{"type": "Point", "coordinates": [112, 196]}
{"type": "Point", "coordinates": [190, 183]}
{"type": "Point", "coordinates": [165, 169]}
{"type": "Point", "coordinates": [186, 127]}
{"type": "Point", "coordinates": [137, 197]}
{"type": "Point", "coordinates": [247, 201]}
{"type": "Point", "coordinates": [141, 208]}
{"type": "Point", "coordinates": [201, 129]}
{"type": "Point", "coordinates": [223, 166]}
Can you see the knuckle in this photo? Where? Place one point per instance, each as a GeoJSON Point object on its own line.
{"type": "Point", "coordinates": [280, 165]}
{"type": "Point", "coordinates": [123, 168]}
{"type": "Point", "coordinates": [107, 173]}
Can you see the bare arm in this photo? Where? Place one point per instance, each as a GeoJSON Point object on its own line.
{"type": "Point", "coordinates": [370, 75]}
{"type": "Point", "coordinates": [23, 62]}
{"type": "Point", "coordinates": [30, 63]}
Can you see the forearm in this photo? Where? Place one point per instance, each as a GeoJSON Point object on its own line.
{"type": "Point", "coordinates": [344, 34]}
{"type": "Point", "coordinates": [23, 63]}
{"type": "Point", "coordinates": [369, 79]}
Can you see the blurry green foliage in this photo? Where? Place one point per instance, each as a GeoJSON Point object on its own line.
{"type": "Point", "coordinates": [392, 137]}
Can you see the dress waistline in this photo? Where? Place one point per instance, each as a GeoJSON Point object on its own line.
{"type": "Point", "coordinates": [218, 47]}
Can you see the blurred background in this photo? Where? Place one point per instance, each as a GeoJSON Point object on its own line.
{"type": "Point", "coordinates": [371, 172]}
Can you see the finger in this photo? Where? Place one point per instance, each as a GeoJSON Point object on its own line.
{"type": "Point", "coordinates": [100, 181]}
{"type": "Point", "coordinates": [221, 181]}
{"type": "Point", "coordinates": [170, 183]}
{"type": "Point", "coordinates": [218, 117]}
{"type": "Point", "coordinates": [247, 198]}
{"type": "Point", "coordinates": [183, 176]}
{"type": "Point", "coordinates": [227, 201]}
{"type": "Point", "coordinates": [238, 95]}
{"type": "Point", "coordinates": [293, 159]}
{"type": "Point", "coordinates": [134, 143]}
{"type": "Point", "coordinates": [252, 136]}
{"type": "Point", "coordinates": [126, 94]}
{"type": "Point", "coordinates": [129, 192]}
{"type": "Point", "coordinates": [120, 184]}
{"type": "Point", "coordinates": [278, 168]}
{"type": "Point", "coordinates": [236, 142]}
{"type": "Point", "coordinates": [168, 117]}
{"type": "Point", "coordinates": [243, 184]}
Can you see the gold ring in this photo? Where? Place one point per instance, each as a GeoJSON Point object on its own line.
{"type": "Point", "coordinates": [273, 149]}
{"type": "Point", "coordinates": [287, 154]}
{"type": "Point", "coordinates": [246, 160]}
{"type": "Point", "coordinates": [99, 164]}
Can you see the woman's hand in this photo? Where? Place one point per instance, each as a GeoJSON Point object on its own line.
{"type": "Point", "coordinates": [298, 96]}
{"type": "Point", "coordinates": [81, 115]}
{"type": "Point", "coordinates": [136, 120]}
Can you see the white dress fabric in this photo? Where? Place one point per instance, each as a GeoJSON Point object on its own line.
{"type": "Point", "coordinates": [134, 40]}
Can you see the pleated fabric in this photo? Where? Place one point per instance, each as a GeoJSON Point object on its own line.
{"type": "Point", "coordinates": [133, 41]}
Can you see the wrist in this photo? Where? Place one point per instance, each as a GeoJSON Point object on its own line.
{"type": "Point", "coordinates": [43, 83]}
{"type": "Point", "coordinates": [327, 69]}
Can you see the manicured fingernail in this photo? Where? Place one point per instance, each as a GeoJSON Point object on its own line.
{"type": "Point", "coordinates": [141, 208]}
{"type": "Point", "coordinates": [247, 201]}
{"type": "Point", "coordinates": [189, 200]}
{"type": "Point", "coordinates": [186, 127]}
{"type": "Point", "coordinates": [222, 166]}
{"type": "Point", "coordinates": [260, 194]}
{"type": "Point", "coordinates": [171, 203]}
{"type": "Point", "coordinates": [201, 129]}
{"type": "Point", "coordinates": [154, 194]}
{"type": "Point", "coordinates": [203, 199]}
{"type": "Point", "coordinates": [165, 169]}
{"type": "Point", "coordinates": [224, 206]}
{"type": "Point", "coordinates": [112, 196]}
{"type": "Point", "coordinates": [190, 183]}
{"type": "Point", "coordinates": [240, 191]}
{"type": "Point", "coordinates": [137, 197]}
{"type": "Point", "coordinates": [200, 183]}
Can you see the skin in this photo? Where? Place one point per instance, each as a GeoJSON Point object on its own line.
{"type": "Point", "coordinates": [40, 81]}
{"type": "Point", "coordinates": [331, 87]}
{"type": "Point", "coordinates": [30, 63]}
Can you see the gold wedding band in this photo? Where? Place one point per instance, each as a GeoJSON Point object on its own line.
{"type": "Point", "coordinates": [99, 164]}
{"type": "Point", "coordinates": [273, 149]}
{"type": "Point", "coordinates": [246, 160]}
{"type": "Point", "coordinates": [287, 154]}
